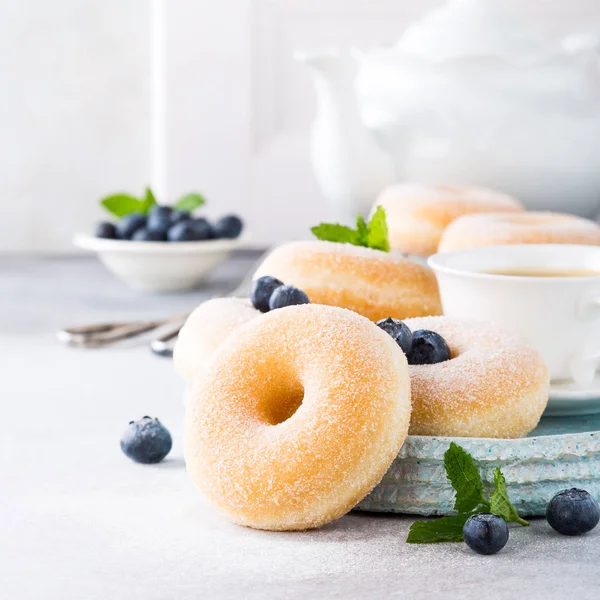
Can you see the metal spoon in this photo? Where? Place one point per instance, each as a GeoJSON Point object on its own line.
{"type": "Point", "coordinates": [103, 334]}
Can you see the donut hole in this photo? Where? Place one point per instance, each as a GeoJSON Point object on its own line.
{"type": "Point", "coordinates": [281, 402]}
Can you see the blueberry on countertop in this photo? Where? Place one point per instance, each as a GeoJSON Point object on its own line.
{"type": "Point", "coordinates": [106, 230]}
{"type": "Point", "coordinates": [485, 533]}
{"type": "Point", "coordinates": [262, 290]}
{"type": "Point", "coordinates": [202, 228]}
{"type": "Point", "coordinates": [287, 295]}
{"type": "Point", "coordinates": [228, 227]}
{"type": "Point", "coordinates": [129, 224]}
{"type": "Point", "coordinates": [177, 216]}
{"type": "Point", "coordinates": [399, 331]}
{"type": "Point", "coordinates": [182, 232]}
{"type": "Point", "coordinates": [145, 234]}
{"type": "Point", "coordinates": [573, 512]}
{"type": "Point", "coordinates": [146, 441]}
{"type": "Point", "coordinates": [427, 348]}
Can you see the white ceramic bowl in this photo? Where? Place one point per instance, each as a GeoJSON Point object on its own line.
{"type": "Point", "coordinates": [159, 266]}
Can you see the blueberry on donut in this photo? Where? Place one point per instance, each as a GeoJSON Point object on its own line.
{"type": "Point", "coordinates": [495, 384]}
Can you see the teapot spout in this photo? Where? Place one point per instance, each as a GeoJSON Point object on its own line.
{"type": "Point", "coordinates": [349, 165]}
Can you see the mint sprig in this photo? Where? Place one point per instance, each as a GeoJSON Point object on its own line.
{"type": "Point", "coordinates": [189, 202]}
{"type": "Point", "coordinates": [149, 201]}
{"type": "Point", "coordinates": [500, 503]}
{"type": "Point", "coordinates": [378, 231]}
{"type": "Point", "coordinates": [446, 529]}
{"type": "Point", "coordinates": [469, 500]}
{"type": "Point", "coordinates": [465, 479]}
{"type": "Point", "coordinates": [122, 204]}
{"type": "Point", "coordinates": [373, 234]}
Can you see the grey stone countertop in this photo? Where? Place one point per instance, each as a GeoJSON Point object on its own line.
{"type": "Point", "coordinates": [78, 520]}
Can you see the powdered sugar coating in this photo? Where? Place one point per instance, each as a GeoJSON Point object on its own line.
{"type": "Point", "coordinates": [494, 386]}
{"type": "Point", "coordinates": [297, 417]}
{"type": "Point", "coordinates": [472, 231]}
{"type": "Point", "coordinates": [206, 327]}
{"type": "Point", "coordinates": [372, 283]}
{"type": "Point", "coordinates": [417, 214]}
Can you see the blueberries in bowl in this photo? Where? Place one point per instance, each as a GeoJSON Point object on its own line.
{"type": "Point", "coordinates": [159, 223]}
{"type": "Point", "coordinates": [573, 512]}
{"type": "Point", "coordinates": [159, 219]}
{"type": "Point", "coordinates": [228, 227]}
{"type": "Point", "coordinates": [145, 234]}
{"type": "Point", "coordinates": [182, 232]}
{"type": "Point", "coordinates": [485, 533]}
{"type": "Point", "coordinates": [146, 441]}
{"type": "Point", "coordinates": [202, 228]}
{"type": "Point", "coordinates": [129, 224]}
{"type": "Point", "coordinates": [178, 216]}
{"type": "Point", "coordinates": [427, 348]}
{"type": "Point", "coordinates": [106, 230]}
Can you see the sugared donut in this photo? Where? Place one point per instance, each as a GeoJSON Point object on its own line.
{"type": "Point", "coordinates": [297, 417]}
{"type": "Point", "coordinates": [418, 214]}
{"type": "Point", "coordinates": [206, 327]}
{"type": "Point", "coordinates": [472, 231]}
{"type": "Point", "coordinates": [495, 385]}
{"type": "Point", "coordinates": [372, 283]}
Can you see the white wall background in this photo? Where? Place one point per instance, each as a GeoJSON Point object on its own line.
{"type": "Point", "coordinates": [76, 104]}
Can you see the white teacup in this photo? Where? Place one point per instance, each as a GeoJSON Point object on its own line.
{"type": "Point", "coordinates": [560, 315]}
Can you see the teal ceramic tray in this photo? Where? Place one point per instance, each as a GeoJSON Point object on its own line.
{"type": "Point", "coordinates": [561, 452]}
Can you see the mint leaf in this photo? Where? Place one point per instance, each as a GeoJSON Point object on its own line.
{"type": "Point", "coordinates": [122, 204]}
{"type": "Point", "coordinates": [370, 235]}
{"type": "Point", "coordinates": [362, 231]}
{"type": "Point", "coordinates": [149, 201]}
{"type": "Point", "coordinates": [446, 529]}
{"type": "Point", "coordinates": [465, 479]}
{"type": "Point", "coordinates": [189, 202]}
{"type": "Point", "coordinates": [500, 503]}
{"type": "Point", "coordinates": [332, 232]}
{"type": "Point", "coordinates": [378, 231]}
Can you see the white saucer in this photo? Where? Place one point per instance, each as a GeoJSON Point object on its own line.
{"type": "Point", "coordinates": [568, 399]}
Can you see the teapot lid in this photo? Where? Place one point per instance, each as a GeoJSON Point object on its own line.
{"type": "Point", "coordinates": [472, 27]}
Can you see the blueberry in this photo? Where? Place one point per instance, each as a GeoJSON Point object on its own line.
{"type": "Point", "coordinates": [485, 533]}
{"type": "Point", "coordinates": [129, 224]}
{"type": "Point", "coordinates": [145, 234]}
{"type": "Point", "coordinates": [146, 441]}
{"type": "Point", "coordinates": [262, 290]}
{"type": "Point", "coordinates": [228, 227]}
{"type": "Point", "coordinates": [202, 228]}
{"type": "Point", "coordinates": [177, 216]}
{"type": "Point", "coordinates": [160, 211]}
{"type": "Point", "coordinates": [399, 331]}
{"type": "Point", "coordinates": [573, 512]}
{"type": "Point", "coordinates": [287, 295]}
{"type": "Point", "coordinates": [106, 230]}
{"type": "Point", "coordinates": [160, 219]}
{"type": "Point", "coordinates": [182, 232]}
{"type": "Point", "coordinates": [427, 348]}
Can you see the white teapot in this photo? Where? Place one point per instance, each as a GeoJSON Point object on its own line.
{"type": "Point", "coordinates": [468, 95]}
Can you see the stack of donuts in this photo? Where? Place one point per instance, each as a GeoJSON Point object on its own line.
{"type": "Point", "coordinates": [425, 219]}
{"type": "Point", "coordinates": [297, 407]}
